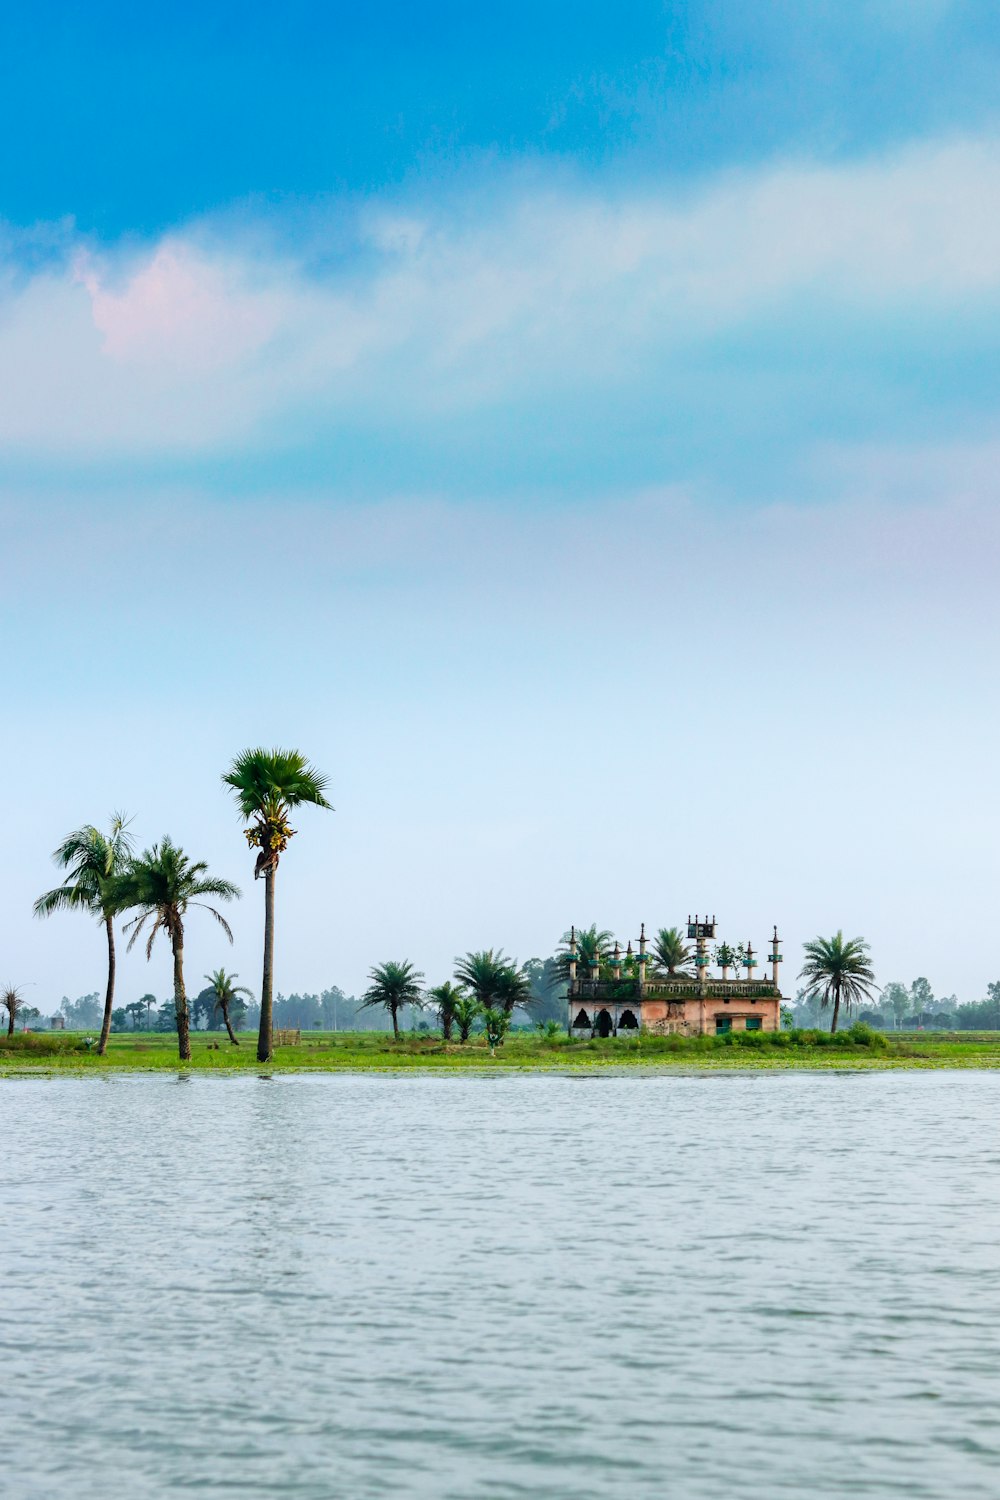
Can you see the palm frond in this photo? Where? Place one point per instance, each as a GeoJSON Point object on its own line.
{"type": "Point", "coordinates": [258, 777]}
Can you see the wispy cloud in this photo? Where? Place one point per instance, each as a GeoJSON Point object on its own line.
{"type": "Point", "coordinates": [206, 340]}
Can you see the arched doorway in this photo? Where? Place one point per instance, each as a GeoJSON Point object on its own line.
{"type": "Point", "coordinates": [627, 1021]}
{"type": "Point", "coordinates": [582, 1021]}
{"type": "Point", "coordinates": [604, 1024]}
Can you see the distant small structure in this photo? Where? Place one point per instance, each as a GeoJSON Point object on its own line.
{"type": "Point", "coordinates": [57, 1023]}
{"type": "Point", "coordinates": [624, 994]}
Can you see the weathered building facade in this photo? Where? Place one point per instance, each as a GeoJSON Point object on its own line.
{"type": "Point", "coordinates": [624, 993]}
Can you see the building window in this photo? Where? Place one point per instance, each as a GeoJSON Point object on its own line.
{"type": "Point", "coordinates": [755, 1023]}
{"type": "Point", "coordinates": [723, 1024]}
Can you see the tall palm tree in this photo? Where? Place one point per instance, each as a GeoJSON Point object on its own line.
{"type": "Point", "coordinates": [11, 1000]}
{"type": "Point", "coordinates": [92, 859]}
{"type": "Point", "coordinates": [838, 970]}
{"type": "Point", "coordinates": [393, 985]}
{"type": "Point", "coordinates": [226, 992]}
{"type": "Point", "coordinates": [268, 784]}
{"type": "Point", "coordinates": [670, 951]}
{"type": "Point", "coordinates": [160, 884]}
{"type": "Point", "coordinates": [444, 998]}
{"type": "Point", "coordinates": [467, 1012]}
{"type": "Point", "coordinates": [590, 942]}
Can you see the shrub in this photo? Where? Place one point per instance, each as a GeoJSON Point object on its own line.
{"type": "Point", "coordinates": [39, 1044]}
{"type": "Point", "coordinates": [866, 1036]}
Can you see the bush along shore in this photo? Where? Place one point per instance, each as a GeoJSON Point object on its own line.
{"type": "Point", "coordinates": [857, 1046]}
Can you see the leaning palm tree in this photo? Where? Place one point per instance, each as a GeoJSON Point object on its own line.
{"type": "Point", "coordinates": [839, 971]}
{"type": "Point", "coordinates": [12, 1001]}
{"type": "Point", "coordinates": [268, 784]}
{"type": "Point", "coordinates": [444, 998]}
{"type": "Point", "coordinates": [392, 986]}
{"type": "Point", "coordinates": [670, 952]}
{"type": "Point", "coordinates": [92, 859]}
{"type": "Point", "coordinates": [160, 884]}
{"type": "Point", "coordinates": [467, 1012]}
{"type": "Point", "coordinates": [226, 992]}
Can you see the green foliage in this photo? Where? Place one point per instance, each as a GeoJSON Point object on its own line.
{"type": "Point", "coordinates": [34, 1044]}
{"type": "Point", "coordinates": [726, 956]}
{"type": "Point", "coordinates": [466, 1015]}
{"type": "Point", "coordinates": [443, 998]}
{"type": "Point", "coordinates": [493, 979]}
{"type": "Point", "coordinates": [496, 1024]}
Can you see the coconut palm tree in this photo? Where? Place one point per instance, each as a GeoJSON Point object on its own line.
{"type": "Point", "coordinates": [92, 859]}
{"type": "Point", "coordinates": [467, 1011]}
{"type": "Point", "coordinates": [12, 1001]}
{"type": "Point", "coordinates": [160, 884]}
{"type": "Point", "coordinates": [393, 985]}
{"type": "Point", "coordinates": [838, 970]}
{"type": "Point", "coordinates": [268, 784]}
{"type": "Point", "coordinates": [670, 952]}
{"type": "Point", "coordinates": [591, 942]}
{"type": "Point", "coordinates": [226, 993]}
{"type": "Point", "coordinates": [444, 998]}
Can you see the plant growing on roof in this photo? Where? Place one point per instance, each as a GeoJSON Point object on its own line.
{"type": "Point", "coordinates": [726, 957]}
{"type": "Point", "coordinates": [671, 953]}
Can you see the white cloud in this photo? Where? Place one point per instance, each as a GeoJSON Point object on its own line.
{"type": "Point", "coordinates": [201, 342]}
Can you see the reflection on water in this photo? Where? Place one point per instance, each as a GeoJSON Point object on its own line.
{"type": "Point", "coordinates": [453, 1288]}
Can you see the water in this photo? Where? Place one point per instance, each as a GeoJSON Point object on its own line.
{"type": "Point", "coordinates": [725, 1286]}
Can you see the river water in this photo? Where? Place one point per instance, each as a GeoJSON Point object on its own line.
{"type": "Point", "coordinates": [475, 1288]}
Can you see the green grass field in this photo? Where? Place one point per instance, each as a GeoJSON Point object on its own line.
{"type": "Point", "coordinates": [65, 1052]}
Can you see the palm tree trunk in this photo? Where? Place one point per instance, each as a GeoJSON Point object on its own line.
{"type": "Point", "coordinates": [224, 1006]}
{"type": "Point", "coordinates": [446, 1025]}
{"type": "Point", "coordinates": [10, 1023]}
{"type": "Point", "coordinates": [267, 982]}
{"type": "Point", "coordinates": [395, 1024]}
{"type": "Point", "coordinates": [109, 994]}
{"type": "Point", "coordinates": [180, 1000]}
{"type": "Point", "coordinates": [836, 1007]}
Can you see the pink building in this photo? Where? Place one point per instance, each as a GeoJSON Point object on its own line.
{"type": "Point", "coordinates": [625, 992]}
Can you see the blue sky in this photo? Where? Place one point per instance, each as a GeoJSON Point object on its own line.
{"type": "Point", "coordinates": [575, 426]}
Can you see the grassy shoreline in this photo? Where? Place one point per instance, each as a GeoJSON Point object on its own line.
{"type": "Point", "coordinates": [377, 1052]}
